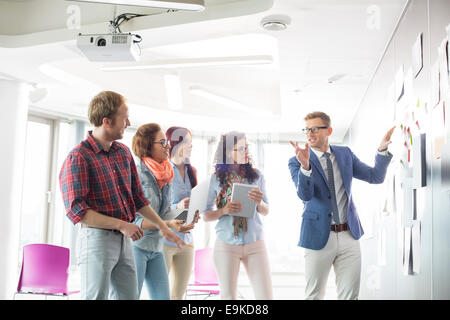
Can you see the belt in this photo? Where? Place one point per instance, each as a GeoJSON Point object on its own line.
{"type": "Point", "coordinates": [112, 230]}
{"type": "Point", "coordinates": [339, 227]}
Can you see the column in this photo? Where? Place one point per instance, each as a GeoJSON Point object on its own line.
{"type": "Point", "coordinates": [14, 110]}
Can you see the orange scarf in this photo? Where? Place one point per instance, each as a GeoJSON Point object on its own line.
{"type": "Point", "coordinates": [163, 172]}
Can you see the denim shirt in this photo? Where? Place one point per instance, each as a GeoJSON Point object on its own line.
{"type": "Point", "coordinates": [160, 203]}
{"type": "Point", "coordinates": [179, 190]}
{"type": "Point", "coordinates": [224, 226]}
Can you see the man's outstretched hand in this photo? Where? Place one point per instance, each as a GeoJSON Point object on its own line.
{"type": "Point", "coordinates": [386, 140]}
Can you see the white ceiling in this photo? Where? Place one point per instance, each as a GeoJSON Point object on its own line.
{"type": "Point", "coordinates": [325, 38]}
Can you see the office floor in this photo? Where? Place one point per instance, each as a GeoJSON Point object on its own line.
{"type": "Point", "coordinates": [286, 286]}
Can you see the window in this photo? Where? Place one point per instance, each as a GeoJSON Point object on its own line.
{"type": "Point", "coordinates": [36, 195]}
{"type": "Point", "coordinates": [62, 228]}
{"type": "Point", "coordinates": [282, 225]}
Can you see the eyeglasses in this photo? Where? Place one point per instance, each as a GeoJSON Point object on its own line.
{"type": "Point", "coordinates": [241, 149]}
{"type": "Point", "coordinates": [164, 142]}
{"type": "Point", "coordinates": [313, 129]}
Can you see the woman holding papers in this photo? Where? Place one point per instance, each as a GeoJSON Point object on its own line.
{"type": "Point", "coordinates": [238, 238]}
{"type": "Point", "coordinates": [155, 173]}
{"type": "Point", "coordinates": [179, 261]}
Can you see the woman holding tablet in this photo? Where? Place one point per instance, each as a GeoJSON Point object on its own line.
{"type": "Point", "coordinates": [238, 238]}
{"type": "Point", "coordinates": [179, 261]}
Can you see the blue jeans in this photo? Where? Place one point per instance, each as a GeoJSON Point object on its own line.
{"type": "Point", "coordinates": [107, 266]}
{"type": "Point", "coordinates": [151, 267]}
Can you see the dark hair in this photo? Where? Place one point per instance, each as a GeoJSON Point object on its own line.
{"type": "Point", "coordinates": [223, 161]}
{"type": "Point", "coordinates": [104, 105]}
{"type": "Point", "coordinates": [176, 136]}
{"type": "Point", "coordinates": [143, 139]}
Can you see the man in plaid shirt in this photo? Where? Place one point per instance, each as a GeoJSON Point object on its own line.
{"type": "Point", "coordinates": [101, 189]}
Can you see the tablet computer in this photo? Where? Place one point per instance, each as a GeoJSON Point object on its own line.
{"type": "Point", "coordinates": [179, 214]}
{"type": "Point", "coordinates": [198, 200]}
{"type": "Point", "coordinates": [182, 215]}
{"type": "Point", "coordinates": [239, 193]}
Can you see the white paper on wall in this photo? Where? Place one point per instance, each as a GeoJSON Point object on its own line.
{"type": "Point", "coordinates": [448, 54]}
{"type": "Point", "coordinates": [421, 203]}
{"type": "Point", "coordinates": [381, 246]}
{"type": "Point", "coordinates": [407, 258]}
{"type": "Point", "coordinates": [408, 207]}
{"type": "Point", "coordinates": [416, 245]}
{"type": "Point", "coordinates": [419, 161]}
{"type": "Point", "coordinates": [399, 198]}
{"type": "Point", "coordinates": [443, 69]}
{"type": "Point", "coordinates": [417, 55]}
{"type": "Point", "coordinates": [438, 129]}
{"type": "Point", "coordinates": [445, 167]}
{"type": "Point", "coordinates": [435, 89]}
{"type": "Point", "coordinates": [399, 85]}
{"type": "Point", "coordinates": [409, 87]}
{"type": "Point", "coordinates": [388, 205]}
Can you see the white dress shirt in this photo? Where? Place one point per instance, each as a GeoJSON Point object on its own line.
{"type": "Point", "coordinates": [341, 194]}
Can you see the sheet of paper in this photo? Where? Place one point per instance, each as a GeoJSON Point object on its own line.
{"type": "Point", "coordinates": [381, 246]}
{"type": "Point", "coordinates": [409, 87]}
{"type": "Point", "coordinates": [443, 70]}
{"type": "Point", "coordinates": [420, 114]}
{"type": "Point", "coordinates": [446, 103]}
{"type": "Point", "coordinates": [445, 167]}
{"type": "Point", "coordinates": [408, 205]}
{"type": "Point", "coordinates": [407, 258]}
{"type": "Point", "coordinates": [421, 203]}
{"type": "Point", "coordinates": [438, 129]}
{"type": "Point", "coordinates": [448, 54]}
{"type": "Point", "coordinates": [435, 89]}
{"type": "Point", "coordinates": [388, 205]}
{"type": "Point", "coordinates": [399, 85]}
{"type": "Point", "coordinates": [399, 198]}
{"type": "Point", "coordinates": [417, 55]}
{"type": "Point", "coordinates": [416, 245]}
{"type": "Point", "coordinates": [419, 161]}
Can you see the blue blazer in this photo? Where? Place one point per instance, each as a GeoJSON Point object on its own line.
{"type": "Point", "coordinates": [315, 194]}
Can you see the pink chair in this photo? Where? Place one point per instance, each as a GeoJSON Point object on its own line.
{"type": "Point", "coordinates": [205, 277]}
{"type": "Point", "coordinates": [44, 270]}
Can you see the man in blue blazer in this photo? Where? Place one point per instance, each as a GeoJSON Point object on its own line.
{"type": "Point", "coordinates": [330, 229]}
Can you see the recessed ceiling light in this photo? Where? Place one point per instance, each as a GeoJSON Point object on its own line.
{"type": "Point", "coordinates": [276, 22]}
{"type": "Point", "coordinates": [190, 62]}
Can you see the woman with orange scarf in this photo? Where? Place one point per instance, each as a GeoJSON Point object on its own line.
{"type": "Point", "coordinates": [155, 173]}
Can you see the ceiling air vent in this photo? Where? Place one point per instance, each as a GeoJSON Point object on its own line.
{"type": "Point", "coordinates": [276, 22]}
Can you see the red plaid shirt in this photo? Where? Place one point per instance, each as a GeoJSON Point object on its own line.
{"type": "Point", "coordinates": [106, 182]}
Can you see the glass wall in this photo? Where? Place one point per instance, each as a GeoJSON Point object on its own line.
{"type": "Point", "coordinates": [282, 224]}
{"type": "Point", "coordinates": [43, 213]}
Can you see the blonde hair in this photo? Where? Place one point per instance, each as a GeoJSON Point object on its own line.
{"type": "Point", "coordinates": [104, 105]}
{"type": "Point", "coordinates": [319, 114]}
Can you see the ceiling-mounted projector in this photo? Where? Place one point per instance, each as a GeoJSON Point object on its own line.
{"type": "Point", "coordinates": [111, 47]}
{"type": "Point", "coordinates": [189, 5]}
